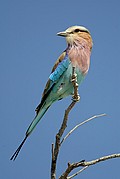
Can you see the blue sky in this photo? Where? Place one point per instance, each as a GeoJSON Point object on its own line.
{"type": "Point", "coordinates": [28, 49]}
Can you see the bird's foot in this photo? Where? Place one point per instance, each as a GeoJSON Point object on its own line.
{"type": "Point", "coordinates": [76, 98]}
{"type": "Point", "coordinates": [74, 78]}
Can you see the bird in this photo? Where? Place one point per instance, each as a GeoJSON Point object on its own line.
{"type": "Point", "coordinates": [59, 85]}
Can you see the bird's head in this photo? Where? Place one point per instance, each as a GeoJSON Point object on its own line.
{"type": "Point", "coordinates": [77, 33]}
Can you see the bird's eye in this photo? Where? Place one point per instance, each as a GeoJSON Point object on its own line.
{"type": "Point", "coordinates": [77, 30]}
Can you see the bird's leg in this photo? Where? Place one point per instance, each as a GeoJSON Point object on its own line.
{"type": "Point", "coordinates": [76, 96]}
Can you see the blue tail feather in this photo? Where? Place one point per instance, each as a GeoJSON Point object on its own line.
{"type": "Point", "coordinates": [36, 120]}
{"type": "Point", "coordinates": [29, 130]}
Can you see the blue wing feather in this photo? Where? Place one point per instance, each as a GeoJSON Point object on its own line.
{"type": "Point", "coordinates": [62, 66]}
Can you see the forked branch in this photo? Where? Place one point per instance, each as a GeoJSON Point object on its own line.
{"type": "Point", "coordinates": [85, 165]}
{"type": "Point", "coordinates": [56, 147]}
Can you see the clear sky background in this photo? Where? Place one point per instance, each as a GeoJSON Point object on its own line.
{"type": "Point", "coordinates": [28, 49]}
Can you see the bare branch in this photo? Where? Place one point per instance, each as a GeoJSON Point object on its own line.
{"type": "Point", "coordinates": [55, 150]}
{"type": "Point", "coordinates": [101, 159]}
{"type": "Point", "coordinates": [85, 164]}
{"type": "Point", "coordinates": [87, 120]}
{"type": "Point", "coordinates": [52, 151]}
{"type": "Point", "coordinates": [75, 174]}
{"type": "Point", "coordinates": [70, 168]}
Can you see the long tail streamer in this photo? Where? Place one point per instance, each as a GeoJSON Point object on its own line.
{"type": "Point", "coordinates": [18, 149]}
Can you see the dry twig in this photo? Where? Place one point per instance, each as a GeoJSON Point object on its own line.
{"type": "Point", "coordinates": [85, 165]}
{"type": "Point", "coordinates": [87, 120]}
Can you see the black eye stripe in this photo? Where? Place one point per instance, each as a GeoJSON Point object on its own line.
{"type": "Point", "coordinates": [84, 31]}
{"type": "Point", "coordinates": [79, 30]}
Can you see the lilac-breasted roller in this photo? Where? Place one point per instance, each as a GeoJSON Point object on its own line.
{"type": "Point", "coordinates": [59, 85]}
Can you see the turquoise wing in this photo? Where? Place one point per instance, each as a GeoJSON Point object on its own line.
{"type": "Point", "coordinates": [59, 68]}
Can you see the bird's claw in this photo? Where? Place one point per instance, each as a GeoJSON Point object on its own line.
{"type": "Point", "coordinates": [74, 76]}
{"type": "Point", "coordinates": [76, 98]}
